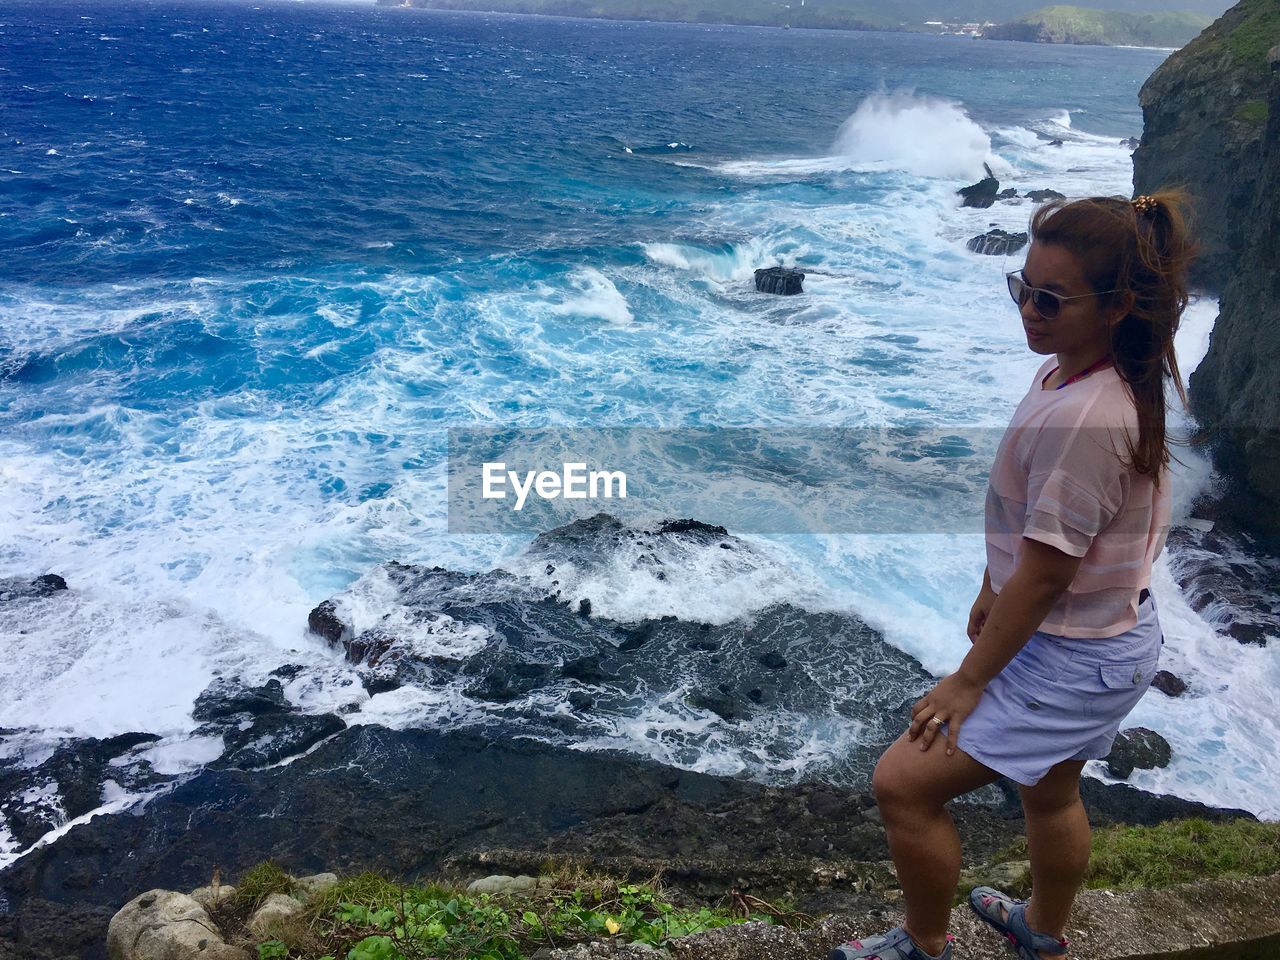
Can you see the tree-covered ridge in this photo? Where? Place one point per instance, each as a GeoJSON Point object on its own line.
{"type": "Point", "coordinates": [1067, 24]}
{"type": "Point", "coordinates": [840, 14]}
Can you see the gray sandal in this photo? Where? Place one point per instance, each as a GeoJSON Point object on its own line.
{"type": "Point", "coordinates": [894, 945]}
{"type": "Point", "coordinates": [986, 902]}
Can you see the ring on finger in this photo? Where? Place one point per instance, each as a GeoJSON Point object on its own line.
{"type": "Point", "coordinates": [938, 720]}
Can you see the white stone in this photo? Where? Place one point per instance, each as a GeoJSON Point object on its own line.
{"type": "Point", "coordinates": [274, 908]}
{"type": "Point", "coordinates": [166, 925]}
{"type": "Point", "coordinates": [316, 882]}
{"type": "Point", "coordinates": [204, 895]}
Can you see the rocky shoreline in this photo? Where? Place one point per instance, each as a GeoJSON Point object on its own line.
{"type": "Point", "coordinates": [415, 802]}
{"type": "Point", "coordinates": [317, 793]}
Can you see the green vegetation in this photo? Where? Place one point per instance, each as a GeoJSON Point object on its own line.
{"type": "Point", "coordinates": [1125, 858]}
{"type": "Point", "coordinates": [1067, 24]}
{"type": "Point", "coordinates": [367, 917]}
{"type": "Point", "coordinates": [838, 14]}
{"type": "Point", "coordinates": [1174, 852]}
{"type": "Point", "coordinates": [1254, 111]}
{"type": "Point", "coordinates": [1258, 33]}
{"type": "Point", "coordinates": [260, 882]}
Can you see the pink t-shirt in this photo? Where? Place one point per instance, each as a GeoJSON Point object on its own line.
{"type": "Point", "coordinates": [1059, 477]}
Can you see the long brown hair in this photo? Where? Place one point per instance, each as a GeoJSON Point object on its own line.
{"type": "Point", "coordinates": [1142, 247]}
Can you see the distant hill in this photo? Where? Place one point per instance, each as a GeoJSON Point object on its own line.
{"type": "Point", "coordinates": [841, 14]}
{"type": "Point", "coordinates": [1063, 24]}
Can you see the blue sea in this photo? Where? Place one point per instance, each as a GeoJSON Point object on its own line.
{"type": "Point", "coordinates": [258, 258]}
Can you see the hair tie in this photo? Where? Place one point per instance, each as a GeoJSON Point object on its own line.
{"type": "Point", "coordinates": [1145, 204]}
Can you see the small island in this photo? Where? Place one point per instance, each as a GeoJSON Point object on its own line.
{"type": "Point", "coordinates": [1067, 24]}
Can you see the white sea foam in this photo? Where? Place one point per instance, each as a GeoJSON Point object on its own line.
{"type": "Point", "coordinates": [593, 295]}
{"type": "Point", "coordinates": [925, 136]}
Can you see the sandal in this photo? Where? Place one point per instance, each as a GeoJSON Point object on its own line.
{"type": "Point", "coordinates": [894, 945]}
{"type": "Point", "coordinates": [986, 903]}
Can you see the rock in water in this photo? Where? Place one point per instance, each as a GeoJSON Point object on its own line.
{"type": "Point", "coordinates": [780, 280]}
{"type": "Point", "coordinates": [1169, 684]}
{"type": "Point", "coordinates": [1137, 749]}
{"type": "Point", "coordinates": [981, 194]}
{"type": "Point", "coordinates": [1040, 196]}
{"type": "Point", "coordinates": [997, 243]}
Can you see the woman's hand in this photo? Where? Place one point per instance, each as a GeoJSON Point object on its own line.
{"type": "Point", "coordinates": [978, 612]}
{"type": "Point", "coordinates": [950, 702]}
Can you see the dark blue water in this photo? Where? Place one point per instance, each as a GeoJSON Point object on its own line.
{"type": "Point", "coordinates": [199, 138]}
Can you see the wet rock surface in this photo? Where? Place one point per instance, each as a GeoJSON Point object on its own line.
{"type": "Point", "coordinates": [70, 783]}
{"type": "Point", "coordinates": [981, 194]}
{"type": "Point", "coordinates": [506, 795]}
{"type": "Point", "coordinates": [1228, 573]}
{"type": "Point", "coordinates": [1137, 748]}
{"type": "Point", "coordinates": [23, 588]}
{"type": "Point", "coordinates": [997, 243]}
{"type": "Point", "coordinates": [779, 280]}
{"type": "Point", "coordinates": [525, 647]}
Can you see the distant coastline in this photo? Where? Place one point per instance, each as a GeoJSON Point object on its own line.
{"type": "Point", "coordinates": [1057, 25]}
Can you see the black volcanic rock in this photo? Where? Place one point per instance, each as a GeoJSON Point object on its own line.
{"type": "Point", "coordinates": [997, 243]}
{"type": "Point", "coordinates": [227, 697]}
{"type": "Point", "coordinates": [1137, 749]}
{"type": "Point", "coordinates": [981, 194]}
{"type": "Point", "coordinates": [780, 280]}
{"type": "Point", "coordinates": [324, 622]}
{"type": "Point", "coordinates": [274, 737]}
{"type": "Point", "coordinates": [1169, 684]}
{"type": "Point", "coordinates": [21, 588]}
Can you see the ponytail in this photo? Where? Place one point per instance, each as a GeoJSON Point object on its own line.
{"type": "Point", "coordinates": [1140, 248]}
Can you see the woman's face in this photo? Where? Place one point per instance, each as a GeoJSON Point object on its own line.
{"type": "Point", "coordinates": [1080, 327]}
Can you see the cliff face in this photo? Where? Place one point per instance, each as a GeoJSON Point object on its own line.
{"type": "Point", "coordinates": [1235, 392]}
{"type": "Point", "coordinates": [1204, 114]}
{"type": "Point", "coordinates": [1212, 124]}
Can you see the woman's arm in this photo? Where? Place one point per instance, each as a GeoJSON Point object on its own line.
{"type": "Point", "coordinates": [1042, 574]}
{"type": "Point", "coordinates": [981, 607]}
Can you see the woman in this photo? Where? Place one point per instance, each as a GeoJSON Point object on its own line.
{"type": "Point", "coordinates": [1065, 635]}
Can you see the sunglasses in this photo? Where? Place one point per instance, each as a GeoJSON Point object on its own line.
{"type": "Point", "coordinates": [1047, 303]}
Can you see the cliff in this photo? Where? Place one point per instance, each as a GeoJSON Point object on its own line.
{"type": "Point", "coordinates": [1212, 123]}
{"type": "Point", "coordinates": [1235, 392]}
{"type": "Point", "coordinates": [1067, 24]}
{"type": "Point", "coordinates": [1204, 112]}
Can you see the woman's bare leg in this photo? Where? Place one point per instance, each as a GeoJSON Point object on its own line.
{"type": "Point", "coordinates": [1058, 844]}
{"type": "Point", "coordinates": [912, 788]}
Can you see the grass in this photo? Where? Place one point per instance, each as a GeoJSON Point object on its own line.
{"type": "Point", "coordinates": [260, 882]}
{"type": "Point", "coordinates": [368, 917]}
{"type": "Point", "coordinates": [1260, 31]}
{"type": "Point", "coordinates": [1254, 111]}
{"type": "Point", "coordinates": [1126, 858]}
{"type": "Point", "coordinates": [1174, 852]}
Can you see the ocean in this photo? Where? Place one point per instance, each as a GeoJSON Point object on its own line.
{"type": "Point", "coordinates": [259, 258]}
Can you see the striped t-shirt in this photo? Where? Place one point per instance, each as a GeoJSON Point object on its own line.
{"type": "Point", "coordinates": [1059, 477]}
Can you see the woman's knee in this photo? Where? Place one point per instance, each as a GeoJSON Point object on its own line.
{"type": "Point", "coordinates": [1057, 792]}
{"type": "Point", "coordinates": [896, 784]}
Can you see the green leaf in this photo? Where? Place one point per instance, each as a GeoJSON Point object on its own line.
{"type": "Point", "coordinates": [375, 948]}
